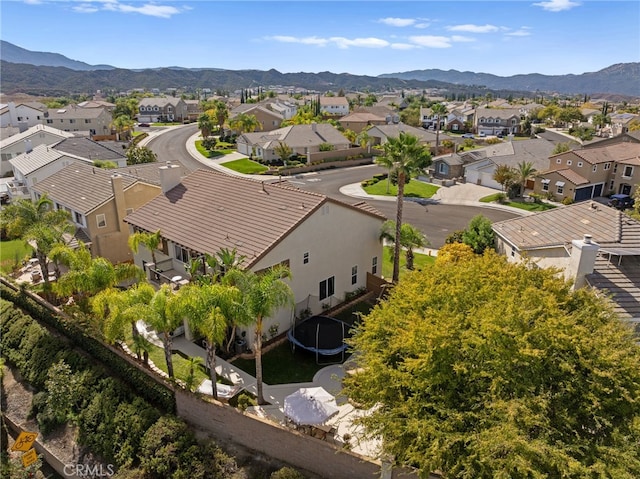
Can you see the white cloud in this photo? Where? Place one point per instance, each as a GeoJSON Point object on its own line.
{"type": "Point", "coordinates": [85, 8]}
{"type": "Point", "coordinates": [473, 28]}
{"type": "Point", "coordinates": [403, 46]}
{"type": "Point", "coordinates": [431, 41]}
{"type": "Point", "coordinates": [460, 38]}
{"type": "Point", "coordinates": [370, 42]}
{"type": "Point", "coordinates": [150, 9]}
{"type": "Point", "coordinates": [521, 32]}
{"type": "Point", "coordinates": [422, 25]}
{"type": "Point", "coordinates": [306, 40]}
{"type": "Point", "coordinates": [557, 5]}
{"type": "Point", "coordinates": [397, 22]}
{"type": "Point", "coordinates": [33, 2]}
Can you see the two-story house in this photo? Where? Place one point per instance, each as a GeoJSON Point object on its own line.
{"type": "Point", "coordinates": [269, 120]}
{"type": "Point", "coordinates": [334, 105]}
{"type": "Point", "coordinates": [269, 224]}
{"type": "Point", "coordinates": [494, 121]}
{"type": "Point", "coordinates": [89, 121]}
{"type": "Point", "coordinates": [162, 109]}
{"type": "Point", "coordinates": [591, 172]}
{"type": "Point", "coordinates": [22, 115]}
{"type": "Point", "coordinates": [27, 140]}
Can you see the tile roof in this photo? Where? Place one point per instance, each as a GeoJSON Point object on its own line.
{"type": "Point", "coordinates": [621, 282]}
{"type": "Point", "coordinates": [72, 111]}
{"type": "Point", "coordinates": [209, 210]}
{"type": "Point", "coordinates": [559, 226]}
{"type": "Point", "coordinates": [395, 129]}
{"type": "Point", "coordinates": [334, 100]}
{"type": "Point", "coordinates": [361, 116]}
{"type": "Point", "coordinates": [571, 176]}
{"type": "Point", "coordinates": [149, 172]}
{"type": "Point", "coordinates": [159, 101]}
{"type": "Point", "coordinates": [80, 186]}
{"type": "Point", "coordinates": [88, 148]}
{"type": "Point", "coordinates": [297, 136]}
{"type": "Point", "coordinates": [605, 154]}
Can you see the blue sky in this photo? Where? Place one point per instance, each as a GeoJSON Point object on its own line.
{"type": "Point", "coordinates": [359, 37]}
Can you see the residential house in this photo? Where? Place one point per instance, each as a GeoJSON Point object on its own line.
{"type": "Point", "coordinates": [592, 244]}
{"type": "Point", "coordinates": [360, 120]}
{"type": "Point", "coordinates": [430, 120]}
{"type": "Point", "coordinates": [286, 109]}
{"type": "Point", "coordinates": [194, 110]}
{"type": "Point", "coordinates": [98, 200]}
{"type": "Point", "coordinates": [302, 139]}
{"type": "Point", "coordinates": [628, 137]}
{"type": "Point", "coordinates": [18, 144]}
{"type": "Point", "coordinates": [381, 133]}
{"type": "Point", "coordinates": [90, 121]}
{"type": "Point", "coordinates": [91, 150]}
{"type": "Point", "coordinates": [482, 163]}
{"type": "Point", "coordinates": [162, 109]}
{"type": "Point", "coordinates": [269, 120]}
{"type": "Point", "coordinates": [98, 104]}
{"type": "Point", "coordinates": [334, 105]}
{"type": "Point", "coordinates": [22, 115]}
{"type": "Point", "coordinates": [620, 122]}
{"type": "Point", "coordinates": [459, 120]}
{"type": "Point", "coordinates": [591, 172]}
{"type": "Point", "coordinates": [449, 166]}
{"type": "Point", "coordinates": [493, 121]}
{"type": "Point", "coordinates": [269, 224]}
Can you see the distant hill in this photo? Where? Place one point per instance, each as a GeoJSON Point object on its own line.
{"type": "Point", "coordinates": [15, 54]}
{"type": "Point", "coordinates": [621, 78]}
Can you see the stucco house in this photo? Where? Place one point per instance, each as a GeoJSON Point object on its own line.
{"type": "Point", "coordinates": [269, 224]}
{"type": "Point", "coordinates": [359, 120]}
{"type": "Point", "coordinates": [492, 121]}
{"type": "Point", "coordinates": [98, 200]}
{"type": "Point", "coordinates": [27, 140]}
{"type": "Point", "coordinates": [592, 244]}
{"type": "Point", "coordinates": [269, 120]}
{"type": "Point", "coordinates": [302, 139]}
{"type": "Point", "coordinates": [591, 172]}
{"type": "Point", "coordinates": [90, 121]}
{"type": "Point", "coordinates": [162, 109]}
{"type": "Point", "coordinates": [22, 115]}
{"type": "Point", "coordinates": [381, 133]}
{"type": "Point", "coordinates": [334, 105]}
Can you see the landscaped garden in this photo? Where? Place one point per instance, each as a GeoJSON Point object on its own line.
{"type": "Point", "coordinates": [521, 204]}
{"type": "Point", "coordinates": [413, 189]}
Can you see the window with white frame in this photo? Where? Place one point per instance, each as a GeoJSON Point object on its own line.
{"type": "Point", "coordinates": [580, 164]}
{"type": "Point", "coordinates": [327, 287]}
{"type": "Point", "coordinates": [354, 274]}
{"type": "Point", "coordinates": [560, 187]}
{"type": "Point", "coordinates": [607, 166]}
{"type": "Point", "coordinates": [628, 172]}
{"type": "Point", "coordinates": [78, 218]}
{"type": "Point", "coordinates": [615, 168]}
{"type": "Point", "coordinates": [595, 168]}
{"type": "Point", "coordinates": [182, 254]}
{"type": "Point", "coordinates": [545, 184]}
{"type": "Point", "coordinates": [305, 258]}
{"type": "Point", "coordinates": [374, 265]}
{"type": "Point", "coordinates": [101, 220]}
{"type": "Point", "coordinates": [611, 183]}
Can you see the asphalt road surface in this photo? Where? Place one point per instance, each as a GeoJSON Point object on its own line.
{"type": "Point", "coordinates": [436, 221]}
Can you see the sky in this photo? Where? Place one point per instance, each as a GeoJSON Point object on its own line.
{"type": "Point", "coordinates": [364, 37]}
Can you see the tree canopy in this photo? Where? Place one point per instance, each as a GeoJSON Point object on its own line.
{"type": "Point", "coordinates": [482, 368]}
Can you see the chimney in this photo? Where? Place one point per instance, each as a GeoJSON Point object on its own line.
{"type": "Point", "coordinates": [118, 197]}
{"type": "Point", "coordinates": [583, 260]}
{"type": "Point", "coordinates": [314, 127]}
{"type": "Point", "coordinates": [28, 148]}
{"type": "Point", "coordinates": [169, 176]}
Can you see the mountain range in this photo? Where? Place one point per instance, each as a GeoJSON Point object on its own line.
{"type": "Point", "coordinates": [44, 73]}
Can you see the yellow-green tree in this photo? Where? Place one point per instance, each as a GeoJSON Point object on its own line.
{"type": "Point", "coordinates": [482, 368]}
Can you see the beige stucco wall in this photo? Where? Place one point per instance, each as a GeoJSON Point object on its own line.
{"type": "Point", "coordinates": [111, 241]}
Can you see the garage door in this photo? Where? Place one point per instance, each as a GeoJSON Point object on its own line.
{"type": "Point", "coordinates": [585, 193]}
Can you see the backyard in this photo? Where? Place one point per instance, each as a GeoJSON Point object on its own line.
{"type": "Point", "coordinates": [12, 253]}
{"type": "Point", "coordinates": [420, 261]}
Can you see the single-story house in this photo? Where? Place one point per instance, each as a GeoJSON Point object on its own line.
{"type": "Point", "coordinates": [269, 224]}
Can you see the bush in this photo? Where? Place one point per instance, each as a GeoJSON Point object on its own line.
{"type": "Point", "coordinates": [567, 200]}
{"type": "Point", "coordinates": [493, 141]}
{"type": "Point", "coordinates": [537, 198]}
{"type": "Point", "coordinates": [209, 143]}
{"type": "Point", "coordinates": [286, 473]}
{"type": "Point", "coordinates": [501, 198]}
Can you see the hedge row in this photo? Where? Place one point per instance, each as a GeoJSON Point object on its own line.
{"type": "Point", "coordinates": [150, 389]}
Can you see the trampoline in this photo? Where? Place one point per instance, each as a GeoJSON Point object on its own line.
{"type": "Point", "coordinates": [321, 335]}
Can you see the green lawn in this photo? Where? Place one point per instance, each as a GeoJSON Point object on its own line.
{"type": "Point", "coordinates": [212, 153]}
{"type": "Point", "coordinates": [245, 165]}
{"type": "Point", "coordinates": [519, 204]}
{"type": "Point", "coordinates": [12, 253]}
{"type": "Point", "coordinates": [180, 365]}
{"type": "Point", "coordinates": [170, 123]}
{"type": "Point", "coordinates": [413, 189]}
{"type": "Point", "coordinates": [283, 366]}
{"type": "Point", "coordinates": [420, 261]}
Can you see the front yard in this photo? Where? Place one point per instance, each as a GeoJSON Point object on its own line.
{"type": "Point", "coordinates": [246, 166]}
{"type": "Point", "coordinates": [521, 204]}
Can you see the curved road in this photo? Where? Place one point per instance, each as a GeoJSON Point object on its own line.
{"type": "Point", "coordinates": [437, 221]}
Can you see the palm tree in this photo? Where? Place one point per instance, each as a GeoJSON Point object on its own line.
{"type": "Point", "coordinates": [262, 295]}
{"type": "Point", "coordinates": [150, 240]}
{"type": "Point", "coordinates": [284, 151]}
{"type": "Point", "coordinates": [410, 238]}
{"type": "Point", "coordinates": [209, 309]}
{"type": "Point", "coordinates": [244, 123]}
{"type": "Point", "coordinates": [524, 171]}
{"type": "Point", "coordinates": [220, 113]}
{"type": "Point", "coordinates": [88, 276]}
{"type": "Point", "coordinates": [439, 110]}
{"type": "Point", "coordinates": [122, 124]}
{"type": "Point", "coordinates": [405, 156]}
{"type": "Point", "coordinates": [39, 224]}
{"type": "Point", "coordinates": [205, 125]}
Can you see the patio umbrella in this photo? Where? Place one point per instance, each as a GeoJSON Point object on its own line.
{"type": "Point", "coordinates": [310, 406]}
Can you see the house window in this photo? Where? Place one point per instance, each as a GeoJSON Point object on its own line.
{"type": "Point", "coordinates": [595, 168]}
{"type": "Point", "coordinates": [558, 160]}
{"type": "Point", "coordinates": [87, 121]}
{"type": "Point", "coordinates": [513, 251]}
{"type": "Point", "coordinates": [569, 162]}
{"type": "Point", "coordinates": [374, 265]}
{"type": "Point", "coordinates": [611, 185]}
{"type": "Point", "coordinates": [49, 122]}
{"type": "Point", "coordinates": [615, 168]}
{"type": "Point", "coordinates": [607, 166]}
{"type": "Point", "coordinates": [305, 258]}
{"type": "Point", "coordinates": [560, 187]}
{"type": "Point", "coordinates": [78, 218]}
{"type": "Point", "coordinates": [101, 220]}
{"type": "Point", "coordinates": [72, 120]}
{"type": "Point", "coordinates": [327, 287]}
{"type": "Point", "coordinates": [442, 168]}
{"type": "Point", "coordinates": [354, 274]}
{"type": "Point", "coordinates": [182, 254]}
{"type": "Point", "coordinates": [513, 122]}
{"type": "Point", "coordinates": [628, 172]}
{"type": "Point", "coordinates": [545, 184]}
{"type": "Point", "coordinates": [580, 164]}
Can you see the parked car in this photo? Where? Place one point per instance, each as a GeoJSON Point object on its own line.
{"type": "Point", "coordinates": [144, 125]}
{"type": "Point", "coordinates": [621, 202]}
{"type": "Point", "coordinates": [468, 135]}
{"type": "Point", "coordinates": [482, 134]}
